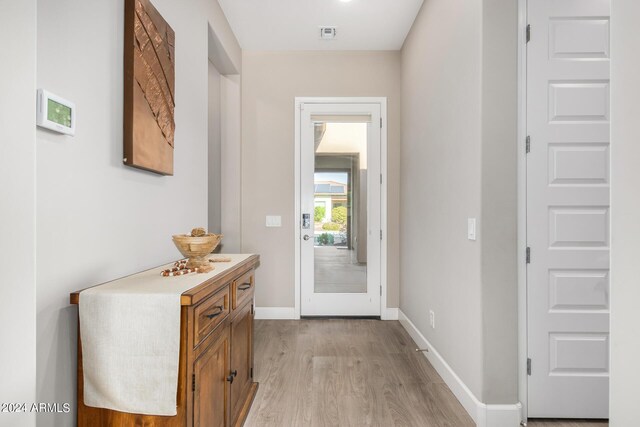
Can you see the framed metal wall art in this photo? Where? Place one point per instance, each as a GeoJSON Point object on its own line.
{"type": "Point", "coordinates": [149, 88]}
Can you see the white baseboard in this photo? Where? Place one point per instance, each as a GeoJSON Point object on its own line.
{"type": "Point", "coordinates": [390, 314]}
{"type": "Point", "coordinates": [502, 415]}
{"type": "Point", "coordinates": [484, 415]}
{"type": "Point", "coordinates": [282, 313]}
{"type": "Point", "coordinates": [273, 313]}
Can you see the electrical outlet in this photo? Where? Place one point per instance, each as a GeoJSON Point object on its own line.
{"type": "Point", "coordinates": [432, 319]}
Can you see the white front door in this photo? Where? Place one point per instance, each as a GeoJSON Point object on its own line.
{"type": "Point", "coordinates": [340, 209]}
{"type": "Point", "coordinates": [568, 208]}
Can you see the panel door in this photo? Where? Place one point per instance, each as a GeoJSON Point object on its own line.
{"type": "Point", "coordinates": [568, 208]}
{"type": "Point", "coordinates": [241, 358]}
{"type": "Point", "coordinates": [211, 395]}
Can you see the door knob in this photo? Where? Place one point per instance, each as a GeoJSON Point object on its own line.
{"type": "Point", "coordinates": [306, 237]}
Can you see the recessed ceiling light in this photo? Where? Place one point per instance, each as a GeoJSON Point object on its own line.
{"type": "Point", "coordinates": [345, 1]}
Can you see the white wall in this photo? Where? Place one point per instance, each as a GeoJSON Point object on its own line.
{"type": "Point", "coordinates": [231, 163]}
{"type": "Point", "coordinates": [440, 181]}
{"type": "Point", "coordinates": [215, 150]}
{"type": "Point", "coordinates": [498, 224]}
{"type": "Point", "coordinates": [625, 211]}
{"type": "Point", "coordinates": [96, 219]}
{"type": "Point", "coordinates": [270, 82]}
{"type": "Point", "coordinates": [17, 208]}
{"type": "Point", "coordinates": [224, 133]}
{"type": "Point", "coordinates": [458, 158]}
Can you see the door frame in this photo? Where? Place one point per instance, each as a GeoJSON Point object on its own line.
{"type": "Point", "coordinates": [382, 101]}
{"type": "Point", "coordinates": [523, 351]}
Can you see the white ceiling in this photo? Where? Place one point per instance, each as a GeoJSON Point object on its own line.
{"type": "Point", "coordinates": [294, 24]}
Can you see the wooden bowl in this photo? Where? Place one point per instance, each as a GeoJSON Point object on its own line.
{"type": "Point", "coordinates": [197, 249]}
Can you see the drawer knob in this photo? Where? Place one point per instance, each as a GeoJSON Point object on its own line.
{"type": "Point", "coordinates": [244, 287]}
{"type": "Point", "coordinates": [216, 314]}
{"type": "Point", "coordinates": [230, 378]}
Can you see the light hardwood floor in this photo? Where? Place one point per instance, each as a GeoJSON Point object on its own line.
{"type": "Point", "coordinates": [349, 373]}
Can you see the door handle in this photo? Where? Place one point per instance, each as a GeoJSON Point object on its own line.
{"type": "Point", "coordinates": [306, 237]}
{"type": "Point", "coordinates": [232, 376]}
{"type": "Point", "coordinates": [216, 314]}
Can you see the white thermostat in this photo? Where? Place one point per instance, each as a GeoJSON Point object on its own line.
{"type": "Point", "coordinates": [55, 113]}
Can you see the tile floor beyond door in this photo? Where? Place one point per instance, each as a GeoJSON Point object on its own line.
{"type": "Point", "coordinates": [337, 270]}
{"type": "Point", "coordinates": [350, 373]}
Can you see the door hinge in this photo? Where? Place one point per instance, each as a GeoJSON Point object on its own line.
{"type": "Point", "coordinates": [528, 144]}
{"type": "Point", "coordinates": [251, 372]}
{"type": "Point", "coordinates": [380, 178]}
{"type": "Point", "coordinates": [528, 33]}
{"type": "Point", "coordinates": [528, 256]}
{"type": "Point", "coordinates": [528, 366]}
{"type": "Point", "coordinates": [380, 234]}
{"type": "Point", "coordinates": [193, 382]}
{"type": "Point", "coordinates": [380, 290]}
{"type": "Point", "coordinates": [380, 122]}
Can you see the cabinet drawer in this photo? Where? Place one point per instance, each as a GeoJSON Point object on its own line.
{"type": "Point", "coordinates": [242, 289]}
{"type": "Point", "coordinates": [210, 313]}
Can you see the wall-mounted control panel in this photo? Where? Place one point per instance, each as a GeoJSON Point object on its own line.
{"type": "Point", "coordinates": [55, 113]}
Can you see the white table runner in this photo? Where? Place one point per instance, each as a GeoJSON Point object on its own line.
{"type": "Point", "coordinates": [130, 332]}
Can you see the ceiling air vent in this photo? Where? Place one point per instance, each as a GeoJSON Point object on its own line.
{"type": "Point", "coordinates": [327, 33]}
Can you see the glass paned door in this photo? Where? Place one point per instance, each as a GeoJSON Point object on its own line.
{"type": "Point", "coordinates": [340, 205]}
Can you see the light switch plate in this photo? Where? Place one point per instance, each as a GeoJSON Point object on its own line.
{"type": "Point", "coordinates": [471, 228]}
{"type": "Point", "coordinates": [274, 221]}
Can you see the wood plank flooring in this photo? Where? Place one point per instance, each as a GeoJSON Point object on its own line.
{"type": "Point", "coordinates": [349, 373]}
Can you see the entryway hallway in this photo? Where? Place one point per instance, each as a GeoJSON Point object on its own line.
{"type": "Point", "coordinates": [346, 372]}
{"type": "Point", "coordinates": [352, 373]}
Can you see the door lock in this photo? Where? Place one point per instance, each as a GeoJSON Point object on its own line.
{"type": "Point", "coordinates": [306, 221]}
{"type": "Point", "coordinates": [306, 237]}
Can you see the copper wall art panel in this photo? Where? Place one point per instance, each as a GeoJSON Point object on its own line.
{"type": "Point", "coordinates": [149, 88]}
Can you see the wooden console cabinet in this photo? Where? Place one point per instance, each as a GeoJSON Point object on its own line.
{"type": "Point", "coordinates": [215, 382]}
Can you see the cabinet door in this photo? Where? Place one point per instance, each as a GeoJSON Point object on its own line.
{"type": "Point", "coordinates": [211, 394]}
{"type": "Point", "coordinates": [241, 358]}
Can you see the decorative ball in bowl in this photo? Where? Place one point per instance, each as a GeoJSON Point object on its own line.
{"type": "Point", "coordinates": [197, 248]}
